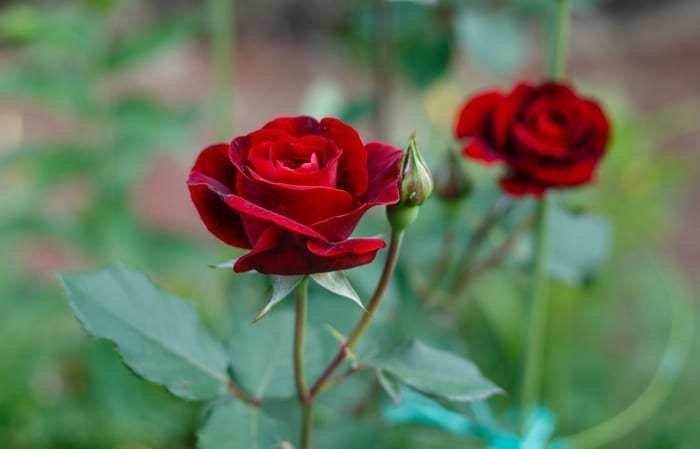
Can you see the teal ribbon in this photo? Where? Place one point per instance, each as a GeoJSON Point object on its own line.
{"type": "Point", "coordinates": [537, 434]}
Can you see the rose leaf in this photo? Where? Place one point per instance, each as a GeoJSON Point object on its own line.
{"type": "Point", "coordinates": [158, 335]}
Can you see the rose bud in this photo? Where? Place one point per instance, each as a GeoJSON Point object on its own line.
{"type": "Point", "coordinates": [451, 181]}
{"type": "Point", "coordinates": [415, 186]}
{"type": "Point", "coordinates": [546, 135]}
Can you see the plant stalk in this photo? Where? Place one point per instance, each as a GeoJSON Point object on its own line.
{"type": "Point", "coordinates": [306, 401]}
{"type": "Point", "coordinates": [539, 304]}
{"type": "Point", "coordinates": [361, 327]}
{"type": "Point", "coordinates": [221, 17]}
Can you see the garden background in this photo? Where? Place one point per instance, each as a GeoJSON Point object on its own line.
{"type": "Point", "coordinates": [104, 104]}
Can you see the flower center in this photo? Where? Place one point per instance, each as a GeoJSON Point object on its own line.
{"type": "Point", "coordinates": [300, 164]}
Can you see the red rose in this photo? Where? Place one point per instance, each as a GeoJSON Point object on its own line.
{"type": "Point", "coordinates": [293, 192]}
{"type": "Point", "coordinates": [546, 135]}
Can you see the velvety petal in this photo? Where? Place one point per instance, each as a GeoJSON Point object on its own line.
{"type": "Point", "coordinates": [248, 209]}
{"type": "Point", "coordinates": [352, 166]}
{"type": "Point", "coordinates": [211, 172]}
{"type": "Point", "coordinates": [304, 204]}
{"type": "Point", "coordinates": [279, 252]}
{"type": "Point", "coordinates": [476, 115]}
{"type": "Point", "coordinates": [529, 145]}
{"type": "Point", "coordinates": [595, 140]}
{"type": "Point", "coordinates": [507, 112]}
{"type": "Point", "coordinates": [384, 170]}
{"type": "Point", "coordinates": [551, 120]}
{"type": "Point", "coordinates": [297, 126]}
{"type": "Point", "coordinates": [480, 150]}
{"type": "Point", "coordinates": [240, 146]}
{"type": "Point", "coordinates": [565, 174]}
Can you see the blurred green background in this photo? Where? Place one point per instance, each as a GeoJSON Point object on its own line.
{"type": "Point", "coordinates": [104, 104]}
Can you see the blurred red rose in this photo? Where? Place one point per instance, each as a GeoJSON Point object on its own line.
{"type": "Point", "coordinates": [293, 192]}
{"type": "Point", "coordinates": [547, 135]}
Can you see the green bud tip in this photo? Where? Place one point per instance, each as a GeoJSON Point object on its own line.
{"type": "Point", "coordinates": [415, 186]}
{"type": "Point", "coordinates": [416, 182]}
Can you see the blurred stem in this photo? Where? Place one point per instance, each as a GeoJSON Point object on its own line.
{"type": "Point", "coordinates": [498, 211]}
{"type": "Point", "coordinates": [537, 325]}
{"type": "Point", "coordinates": [670, 367]}
{"type": "Point", "coordinates": [222, 33]}
{"type": "Point", "coordinates": [538, 301]}
{"type": "Point", "coordinates": [559, 40]}
{"type": "Point", "coordinates": [346, 347]}
{"type": "Point", "coordinates": [446, 253]}
{"type": "Point", "coordinates": [381, 65]}
{"type": "Point", "coordinates": [299, 375]}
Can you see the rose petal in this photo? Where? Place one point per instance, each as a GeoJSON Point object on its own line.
{"type": "Point", "coordinates": [383, 169]}
{"type": "Point", "coordinates": [213, 171]}
{"type": "Point", "coordinates": [506, 113]}
{"type": "Point", "coordinates": [304, 204]}
{"type": "Point", "coordinates": [475, 117]}
{"type": "Point", "coordinates": [246, 208]}
{"type": "Point", "coordinates": [528, 145]}
{"type": "Point", "coordinates": [296, 126]}
{"type": "Point", "coordinates": [279, 252]}
{"type": "Point", "coordinates": [240, 146]}
{"type": "Point", "coordinates": [481, 151]}
{"type": "Point", "coordinates": [352, 166]}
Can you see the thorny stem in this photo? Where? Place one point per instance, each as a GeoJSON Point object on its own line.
{"type": "Point", "coordinates": [346, 348]}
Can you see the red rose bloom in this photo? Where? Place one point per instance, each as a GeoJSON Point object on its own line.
{"type": "Point", "coordinates": [293, 192]}
{"type": "Point", "coordinates": [546, 135]}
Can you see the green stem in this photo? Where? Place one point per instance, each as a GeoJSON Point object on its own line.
{"type": "Point", "coordinates": [299, 328]}
{"type": "Point", "coordinates": [381, 52]}
{"type": "Point", "coordinates": [221, 16]}
{"type": "Point", "coordinates": [299, 375]}
{"type": "Point", "coordinates": [307, 410]}
{"type": "Point", "coordinates": [389, 267]}
{"type": "Point", "coordinates": [559, 40]}
{"type": "Point", "coordinates": [537, 326]}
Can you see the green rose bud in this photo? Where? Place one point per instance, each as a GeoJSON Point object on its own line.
{"type": "Point", "coordinates": [415, 186]}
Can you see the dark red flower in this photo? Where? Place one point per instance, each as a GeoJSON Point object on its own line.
{"type": "Point", "coordinates": [547, 136]}
{"type": "Point", "coordinates": [293, 192]}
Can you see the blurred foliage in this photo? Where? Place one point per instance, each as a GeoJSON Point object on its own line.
{"type": "Point", "coordinates": [61, 390]}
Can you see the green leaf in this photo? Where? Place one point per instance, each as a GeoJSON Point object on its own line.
{"type": "Point", "coordinates": [159, 335]}
{"type": "Point", "coordinates": [338, 283]}
{"type": "Point", "coordinates": [390, 386]}
{"type": "Point", "coordinates": [262, 356]}
{"type": "Point", "coordinates": [578, 244]}
{"type": "Point", "coordinates": [436, 372]}
{"type": "Point", "coordinates": [281, 287]}
{"type": "Point", "coordinates": [234, 425]}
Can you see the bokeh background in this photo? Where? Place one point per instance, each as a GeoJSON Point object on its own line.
{"type": "Point", "coordinates": [104, 104]}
